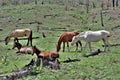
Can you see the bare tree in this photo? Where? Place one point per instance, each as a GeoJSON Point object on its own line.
{"type": "Point", "coordinates": [101, 18]}
{"type": "Point", "coordinates": [113, 3]}
{"type": "Point", "coordinates": [87, 6]}
{"type": "Point", "coordinates": [116, 3]}
{"type": "Point", "coordinates": [36, 1]}
{"type": "Point", "coordinates": [102, 5]}
{"type": "Point", "coordinates": [93, 4]}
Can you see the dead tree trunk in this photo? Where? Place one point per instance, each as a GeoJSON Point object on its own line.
{"type": "Point", "coordinates": [36, 1]}
{"type": "Point", "coordinates": [93, 4]}
{"type": "Point", "coordinates": [101, 18]}
{"type": "Point", "coordinates": [116, 3]}
{"type": "Point", "coordinates": [113, 3]}
{"type": "Point", "coordinates": [87, 6]}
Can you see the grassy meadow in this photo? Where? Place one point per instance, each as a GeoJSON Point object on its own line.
{"type": "Point", "coordinates": [56, 18]}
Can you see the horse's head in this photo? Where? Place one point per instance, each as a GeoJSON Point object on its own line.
{"type": "Point", "coordinates": [75, 39]}
{"type": "Point", "coordinates": [35, 50]}
{"type": "Point", "coordinates": [7, 39]}
{"type": "Point", "coordinates": [76, 32]}
{"type": "Point", "coordinates": [17, 44]}
{"type": "Point", "coordinates": [58, 47]}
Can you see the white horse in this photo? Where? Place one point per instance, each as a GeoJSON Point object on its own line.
{"type": "Point", "coordinates": [93, 36]}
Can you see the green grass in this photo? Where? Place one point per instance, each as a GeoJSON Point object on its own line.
{"type": "Point", "coordinates": [101, 67]}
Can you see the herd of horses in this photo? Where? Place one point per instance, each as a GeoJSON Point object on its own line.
{"type": "Point", "coordinates": [74, 37]}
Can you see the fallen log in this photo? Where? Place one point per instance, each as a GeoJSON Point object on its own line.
{"type": "Point", "coordinates": [70, 60]}
{"type": "Point", "coordinates": [53, 64]}
{"type": "Point", "coordinates": [2, 40]}
{"type": "Point", "coordinates": [34, 22]}
{"type": "Point", "coordinates": [14, 75]}
{"type": "Point", "coordinates": [29, 69]}
{"type": "Point", "coordinates": [111, 45]}
{"type": "Point", "coordinates": [22, 39]}
{"type": "Point", "coordinates": [27, 38]}
{"type": "Point", "coordinates": [118, 26]}
{"type": "Point", "coordinates": [58, 29]}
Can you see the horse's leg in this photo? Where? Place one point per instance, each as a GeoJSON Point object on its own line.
{"type": "Point", "coordinates": [90, 46]}
{"type": "Point", "coordinates": [80, 44]}
{"type": "Point", "coordinates": [107, 43]}
{"type": "Point", "coordinates": [30, 38]}
{"type": "Point", "coordinates": [76, 46]}
{"type": "Point", "coordinates": [28, 42]}
{"type": "Point", "coordinates": [104, 44]}
{"type": "Point", "coordinates": [63, 46]}
{"type": "Point", "coordinates": [85, 45]}
{"type": "Point", "coordinates": [31, 41]}
{"type": "Point", "coordinates": [16, 39]}
{"type": "Point", "coordinates": [68, 46]}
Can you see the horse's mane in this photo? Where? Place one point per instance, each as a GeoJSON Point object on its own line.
{"type": "Point", "coordinates": [18, 45]}
{"type": "Point", "coordinates": [37, 51]}
{"type": "Point", "coordinates": [59, 42]}
{"type": "Point", "coordinates": [8, 36]}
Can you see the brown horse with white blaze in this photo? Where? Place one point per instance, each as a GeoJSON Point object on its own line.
{"type": "Point", "coordinates": [66, 37]}
{"type": "Point", "coordinates": [19, 33]}
{"type": "Point", "coordinates": [45, 54]}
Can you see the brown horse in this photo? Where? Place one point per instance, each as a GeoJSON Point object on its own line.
{"type": "Point", "coordinates": [46, 54]}
{"type": "Point", "coordinates": [66, 37]}
{"type": "Point", "coordinates": [19, 33]}
{"type": "Point", "coordinates": [23, 49]}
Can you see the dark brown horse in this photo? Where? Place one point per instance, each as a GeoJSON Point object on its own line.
{"type": "Point", "coordinates": [46, 54]}
{"type": "Point", "coordinates": [19, 33]}
{"type": "Point", "coordinates": [23, 49]}
{"type": "Point", "coordinates": [66, 37]}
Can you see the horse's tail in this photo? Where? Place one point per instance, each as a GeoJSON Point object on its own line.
{"type": "Point", "coordinates": [59, 43]}
{"type": "Point", "coordinates": [6, 40]}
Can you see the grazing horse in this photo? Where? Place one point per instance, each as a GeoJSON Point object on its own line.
{"type": "Point", "coordinates": [66, 37]}
{"type": "Point", "coordinates": [93, 36]}
{"type": "Point", "coordinates": [52, 55]}
{"type": "Point", "coordinates": [23, 49]}
{"type": "Point", "coordinates": [19, 33]}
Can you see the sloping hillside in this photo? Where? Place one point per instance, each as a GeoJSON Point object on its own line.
{"type": "Point", "coordinates": [53, 17]}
